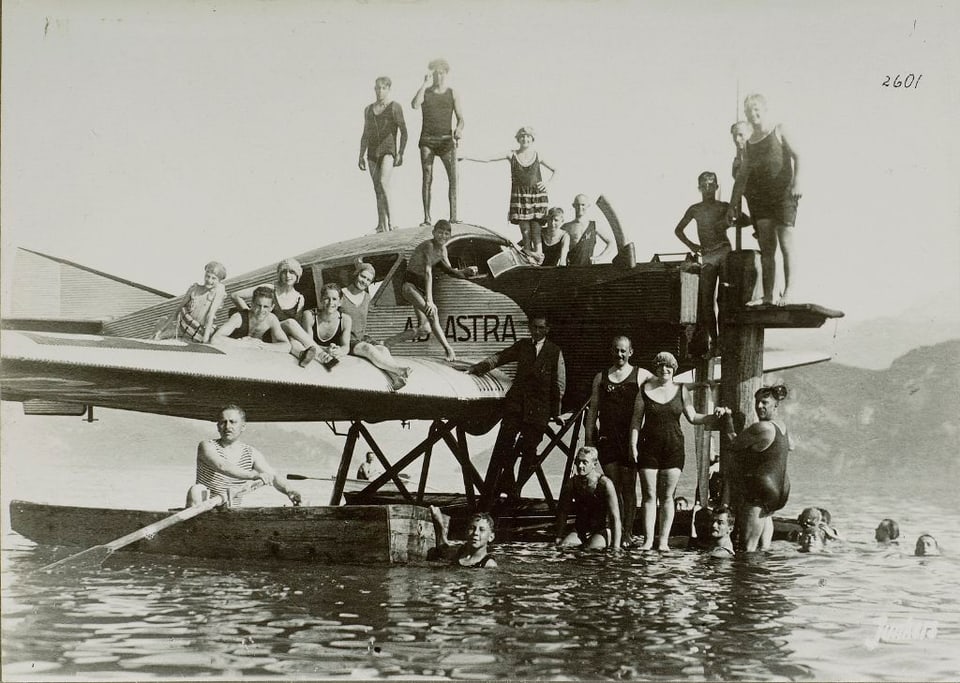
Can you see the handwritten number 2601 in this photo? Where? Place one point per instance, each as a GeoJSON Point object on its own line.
{"type": "Point", "coordinates": [908, 81]}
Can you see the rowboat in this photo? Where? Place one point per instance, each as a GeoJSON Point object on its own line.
{"type": "Point", "coordinates": [352, 534]}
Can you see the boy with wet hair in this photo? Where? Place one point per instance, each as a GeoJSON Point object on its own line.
{"type": "Point", "coordinates": [710, 215]}
{"type": "Point", "coordinates": [472, 553]}
{"type": "Point", "coordinates": [439, 104]}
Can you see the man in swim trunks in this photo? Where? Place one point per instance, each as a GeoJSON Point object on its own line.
{"type": "Point", "coordinates": [439, 103]}
{"type": "Point", "coordinates": [769, 178]}
{"type": "Point", "coordinates": [226, 463]}
{"type": "Point", "coordinates": [711, 218]}
{"type": "Point", "coordinates": [760, 466]}
{"type": "Point", "coordinates": [532, 400]}
{"type": "Point", "coordinates": [612, 401]}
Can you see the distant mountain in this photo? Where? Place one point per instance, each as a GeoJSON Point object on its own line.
{"type": "Point", "coordinates": [901, 417]}
{"type": "Point", "coordinates": [875, 343]}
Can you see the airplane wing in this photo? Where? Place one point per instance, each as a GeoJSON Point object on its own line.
{"type": "Point", "coordinates": [183, 379]}
{"type": "Point", "coordinates": [773, 360]}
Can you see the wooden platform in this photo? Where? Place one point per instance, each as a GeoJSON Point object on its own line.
{"type": "Point", "coordinates": [790, 315]}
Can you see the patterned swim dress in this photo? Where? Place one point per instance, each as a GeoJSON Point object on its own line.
{"type": "Point", "coordinates": [527, 202]}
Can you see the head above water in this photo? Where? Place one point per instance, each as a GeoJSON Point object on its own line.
{"type": "Point", "coordinates": [888, 530]}
{"type": "Point", "coordinates": [810, 517]}
{"type": "Point", "coordinates": [927, 545]}
{"type": "Point", "coordinates": [812, 540]}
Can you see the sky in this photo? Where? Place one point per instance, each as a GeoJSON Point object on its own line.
{"type": "Point", "coordinates": [145, 139]}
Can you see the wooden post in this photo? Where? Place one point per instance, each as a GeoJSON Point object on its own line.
{"type": "Point", "coordinates": [742, 359]}
{"type": "Point", "coordinates": [344, 471]}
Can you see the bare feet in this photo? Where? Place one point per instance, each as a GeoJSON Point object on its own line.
{"type": "Point", "coordinates": [451, 356]}
{"type": "Point", "coordinates": [426, 223]}
{"type": "Point", "coordinates": [759, 302]}
{"type": "Point", "coordinates": [785, 299]}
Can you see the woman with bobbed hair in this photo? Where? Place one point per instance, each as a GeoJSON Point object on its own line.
{"type": "Point", "coordinates": [656, 444]}
{"type": "Point", "coordinates": [355, 302]}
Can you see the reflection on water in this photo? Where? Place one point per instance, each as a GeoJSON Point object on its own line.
{"type": "Point", "coordinates": [545, 613]}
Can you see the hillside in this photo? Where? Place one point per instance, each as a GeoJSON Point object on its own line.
{"type": "Point", "coordinates": [898, 418]}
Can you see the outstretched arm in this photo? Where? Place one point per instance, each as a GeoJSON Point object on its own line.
{"type": "Point", "coordinates": [165, 322]}
{"type": "Point", "coordinates": [693, 417]}
{"type": "Point", "coordinates": [269, 476]}
{"type": "Point", "coordinates": [224, 331]}
{"type": "Point", "coordinates": [483, 161]}
{"type": "Point", "coordinates": [508, 355]}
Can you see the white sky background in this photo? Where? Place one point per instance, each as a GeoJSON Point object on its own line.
{"type": "Point", "coordinates": [147, 138]}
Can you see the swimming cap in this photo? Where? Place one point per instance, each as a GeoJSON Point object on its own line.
{"type": "Point", "coordinates": [666, 358]}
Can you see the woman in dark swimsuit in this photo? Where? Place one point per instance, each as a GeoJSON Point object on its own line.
{"type": "Point", "coordinates": [760, 467]}
{"type": "Point", "coordinates": [594, 499]}
{"type": "Point", "coordinates": [556, 242]}
{"type": "Point", "coordinates": [656, 443]}
{"type": "Point", "coordinates": [329, 327]}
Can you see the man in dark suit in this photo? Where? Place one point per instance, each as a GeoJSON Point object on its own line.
{"type": "Point", "coordinates": [533, 399]}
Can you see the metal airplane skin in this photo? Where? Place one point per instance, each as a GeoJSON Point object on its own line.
{"type": "Point", "coordinates": [120, 366]}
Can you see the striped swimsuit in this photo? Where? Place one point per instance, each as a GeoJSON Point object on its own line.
{"type": "Point", "coordinates": [218, 482]}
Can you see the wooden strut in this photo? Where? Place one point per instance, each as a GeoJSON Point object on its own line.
{"type": "Point", "coordinates": [454, 437]}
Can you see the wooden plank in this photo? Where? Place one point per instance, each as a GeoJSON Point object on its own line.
{"type": "Point", "coordinates": [341, 535]}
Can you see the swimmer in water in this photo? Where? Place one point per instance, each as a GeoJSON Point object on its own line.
{"type": "Point", "coordinates": [888, 531]}
{"type": "Point", "coordinates": [760, 453]}
{"type": "Point", "coordinates": [472, 553]}
{"type": "Point", "coordinates": [812, 540]}
{"type": "Point", "coordinates": [721, 524]}
{"type": "Point", "coordinates": [926, 545]}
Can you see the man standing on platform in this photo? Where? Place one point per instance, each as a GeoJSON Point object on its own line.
{"type": "Point", "coordinates": [533, 399]}
{"type": "Point", "coordinates": [611, 401]}
{"type": "Point", "coordinates": [439, 103]}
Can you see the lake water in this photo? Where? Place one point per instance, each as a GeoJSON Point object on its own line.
{"type": "Point", "coordinates": [544, 613]}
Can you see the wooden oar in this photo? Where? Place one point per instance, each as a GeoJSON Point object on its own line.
{"type": "Point", "coordinates": [98, 553]}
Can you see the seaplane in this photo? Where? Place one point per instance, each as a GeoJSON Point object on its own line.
{"type": "Point", "coordinates": [68, 366]}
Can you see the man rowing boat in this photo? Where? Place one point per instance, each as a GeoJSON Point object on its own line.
{"type": "Point", "coordinates": [226, 463]}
